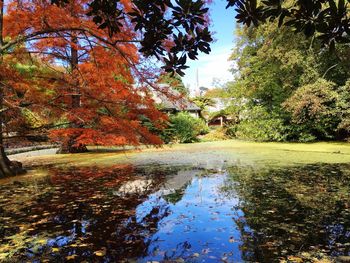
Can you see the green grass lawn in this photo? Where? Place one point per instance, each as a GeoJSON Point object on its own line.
{"type": "Point", "coordinates": [206, 154]}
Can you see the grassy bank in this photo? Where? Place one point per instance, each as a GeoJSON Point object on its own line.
{"type": "Point", "coordinates": [205, 154]}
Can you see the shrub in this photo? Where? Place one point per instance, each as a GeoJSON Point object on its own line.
{"type": "Point", "coordinates": [343, 108]}
{"type": "Point", "coordinates": [218, 134]}
{"type": "Point", "coordinates": [259, 125]}
{"type": "Point", "coordinates": [313, 110]}
{"type": "Point", "coordinates": [184, 128]}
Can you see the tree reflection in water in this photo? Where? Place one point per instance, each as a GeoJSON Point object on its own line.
{"type": "Point", "coordinates": [291, 210]}
{"type": "Point", "coordinates": [163, 213]}
{"type": "Point", "coordinates": [83, 213]}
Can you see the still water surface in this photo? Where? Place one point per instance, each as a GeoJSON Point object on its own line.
{"type": "Point", "coordinates": [164, 213]}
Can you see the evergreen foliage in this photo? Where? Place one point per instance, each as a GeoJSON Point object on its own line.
{"type": "Point", "coordinates": [175, 82]}
{"type": "Point", "coordinates": [184, 128]}
{"type": "Point", "coordinates": [293, 88]}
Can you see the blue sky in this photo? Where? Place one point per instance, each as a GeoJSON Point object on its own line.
{"type": "Point", "coordinates": [216, 64]}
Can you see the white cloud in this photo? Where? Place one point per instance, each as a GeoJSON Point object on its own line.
{"type": "Point", "coordinates": [212, 66]}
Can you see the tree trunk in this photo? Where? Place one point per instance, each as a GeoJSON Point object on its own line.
{"type": "Point", "coordinates": [69, 147]}
{"type": "Point", "coordinates": [7, 168]}
{"type": "Point", "coordinates": [74, 60]}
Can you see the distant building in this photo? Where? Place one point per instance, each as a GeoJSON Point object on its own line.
{"type": "Point", "coordinates": [202, 90]}
{"type": "Point", "coordinates": [219, 113]}
{"type": "Point", "coordinates": [171, 102]}
{"type": "Point", "coordinates": [220, 104]}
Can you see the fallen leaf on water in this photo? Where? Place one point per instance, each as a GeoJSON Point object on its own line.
{"type": "Point", "coordinates": [83, 245]}
{"type": "Point", "coordinates": [224, 259]}
{"type": "Point", "coordinates": [100, 253]}
{"type": "Point", "coordinates": [295, 259]}
{"type": "Point", "coordinates": [55, 249]}
{"type": "Point", "coordinates": [3, 255]}
{"type": "Point", "coordinates": [71, 257]}
{"type": "Point", "coordinates": [42, 241]}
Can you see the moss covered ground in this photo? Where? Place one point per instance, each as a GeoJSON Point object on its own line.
{"type": "Point", "coordinates": [204, 154]}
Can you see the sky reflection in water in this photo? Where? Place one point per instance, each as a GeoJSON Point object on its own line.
{"type": "Point", "coordinates": [198, 226]}
{"type": "Point", "coordinates": [176, 214]}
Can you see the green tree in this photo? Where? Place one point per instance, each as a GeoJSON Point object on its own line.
{"type": "Point", "coordinates": [261, 125]}
{"type": "Point", "coordinates": [313, 109]}
{"type": "Point", "coordinates": [343, 109]}
{"type": "Point", "coordinates": [175, 82]}
{"type": "Point", "coordinates": [272, 64]}
{"type": "Point", "coordinates": [219, 92]}
{"type": "Point", "coordinates": [203, 102]}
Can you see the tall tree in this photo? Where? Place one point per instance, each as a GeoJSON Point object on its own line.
{"type": "Point", "coordinates": [96, 89]}
{"type": "Point", "coordinates": [273, 66]}
{"type": "Point", "coordinates": [5, 164]}
{"type": "Point", "coordinates": [96, 65]}
{"type": "Point", "coordinates": [97, 82]}
{"type": "Point", "coordinates": [16, 85]}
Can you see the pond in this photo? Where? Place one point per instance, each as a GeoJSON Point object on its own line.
{"type": "Point", "coordinates": [179, 213]}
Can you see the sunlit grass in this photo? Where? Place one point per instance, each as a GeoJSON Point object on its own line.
{"type": "Point", "coordinates": [206, 154]}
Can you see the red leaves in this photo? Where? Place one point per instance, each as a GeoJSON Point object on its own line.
{"type": "Point", "coordinates": [94, 94]}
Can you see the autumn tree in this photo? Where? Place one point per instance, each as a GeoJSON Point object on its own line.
{"type": "Point", "coordinates": [97, 97]}
{"type": "Point", "coordinates": [94, 61]}
{"type": "Point", "coordinates": [22, 77]}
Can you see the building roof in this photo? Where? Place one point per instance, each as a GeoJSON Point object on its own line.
{"type": "Point", "coordinates": [174, 101]}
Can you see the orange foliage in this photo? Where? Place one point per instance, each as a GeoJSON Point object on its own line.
{"type": "Point", "coordinates": [103, 76]}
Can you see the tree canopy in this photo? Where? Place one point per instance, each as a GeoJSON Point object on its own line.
{"type": "Point", "coordinates": [328, 20]}
{"type": "Point", "coordinates": [175, 82]}
{"type": "Point", "coordinates": [83, 67]}
{"type": "Point", "coordinates": [168, 30]}
{"type": "Point", "coordinates": [292, 87]}
{"type": "Point", "coordinates": [185, 22]}
{"type": "Point", "coordinates": [84, 70]}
